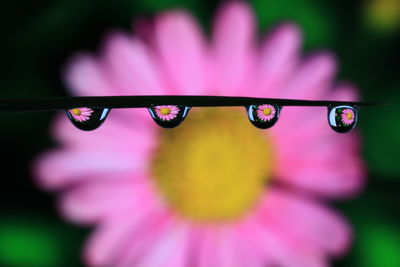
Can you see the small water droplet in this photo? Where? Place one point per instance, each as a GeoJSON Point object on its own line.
{"type": "Point", "coordinates": [263, 116]}
{"type": "Point", "coordinates": [168, 116]}
{"type": "Point", "coordinates": [342, 118]}
{"type": "Point", "coordinates": [87, 119]}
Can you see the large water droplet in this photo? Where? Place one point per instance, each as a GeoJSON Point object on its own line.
{"type": "Point", "coordinates": [263, 116]}
{"type": "Point", "coordinates": [168, 116]}
{"type": "Point", "coordinates": [342, 118]}
{"type": "Point", "coordinates": [87, 119]}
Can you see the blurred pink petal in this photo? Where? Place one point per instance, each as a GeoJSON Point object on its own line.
{"type": "Point", "coordinates": [110, 134]}
{"type": "Point", "coordinates": [345, 92]}
{"type": "Point", "coordinates": [313, 78]}
{"type": "Point", "coordinates": [114, 235]}
{"type": "Point", "coordinates": [92, 202]}
{"type": "Point", "coordinates": [269, 238]}
{"type": "Point", "coordinates": [157, 227]}
{"type": "Point", "coordinates": [170, 251]}
{"type": "Point", "coordinates": [86, 76]}
{"type": "Point", "coordinates": [314, 224]}
{"type": "Point", "coordinates": [278, 58]}
{"type": "Point", "coordinates": [233, 41]}
{"type": "Point", "coordinates": [58, 169]}
{"type": "Point", "coordinates": [209, 250]}
{"type": "Point", "coordinates": [133, 66]}
{"type": "Point", "coordinates": [229, 253]}
{"type": "Point", "coordinates": [185, 57]}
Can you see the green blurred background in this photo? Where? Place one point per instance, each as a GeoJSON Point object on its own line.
{"type": "Point", "coordinates": [40, 36]}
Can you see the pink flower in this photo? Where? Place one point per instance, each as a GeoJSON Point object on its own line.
{"type": "Point", "coordinates": [81, 114]}
{"type": "Point", "coordinates": [215, 191]}
{"type": "Point", "coordinates": [166, 112]}
{"type": "Point", "coordinates": [266, 112]}
{"type": "Point", "coordinates": [348, 116]}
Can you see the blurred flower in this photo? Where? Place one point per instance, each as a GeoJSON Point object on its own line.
{"type": "Point", "coordinates": [383, 15]}
{"type": "Point", "coordinates": [214, 191]}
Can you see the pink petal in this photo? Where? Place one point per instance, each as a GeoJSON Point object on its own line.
{"type": "Point", "coordinates": [313, 78]}
{"type": "Point", "coordinates": [57, 169]}
{"type": "Point", "coordinates": [149, 235]}
{"type": "Point", "coordinates": [325, 166]}
{"type": "Point", "coordinates": [309, 221]}
{"type": "Point", "coordinates": [132, 67]}
{"type": "Point", "coordinates": [300, 119]}
{"type": "Point", "coordinates": [267, 237]}
{"type": "Point", "coordinates": [335, 180]}
{"type": "Point", "coordinates": [183, 52]}
{"type": "Point", "coordinates": [86, 76]}
{"type": "Point", "coordinates": [106, 244]}
{"type": "Point", "coordinates": [208, 249]}
{"type": "Point", "coordinates": [313, 137]}
{"type": "Point", "coordinates": [114, 134]}
{"type": "Point", "coordinates": [222, 246]}
{"type": "Point", "coordinates": [170, 250]}
{"type": "Point", "coordinates": [345, 92]}
{"type": "Point", "coordinates": [92, 201]}
{"type": "Point", "coordinates": [229, 253]}
{"type": "Point", "coordinates": [251, 254]}
{"type": "Point", "coordinates": [233, 47]}
{"type": "Point", "coordinates": [279, 56]}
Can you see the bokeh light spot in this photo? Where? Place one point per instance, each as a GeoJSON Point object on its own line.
{"type": "Point", "coordinates": [28, 244]}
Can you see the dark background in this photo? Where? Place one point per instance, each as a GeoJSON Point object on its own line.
{"type": "Point", "coordinates": [38, 37]}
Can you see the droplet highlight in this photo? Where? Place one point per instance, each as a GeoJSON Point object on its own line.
{"type": "Point", "coordinates": [263, 116]}
{"type": "Point", "coordinates": [342, 119]}
{"type": "Point", "coordinates": [87, 119]}
{"type": "Point", "coordinates": [168, 116]}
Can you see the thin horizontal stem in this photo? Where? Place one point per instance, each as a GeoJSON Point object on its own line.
{"type": "Point", "coordinates": [143, 101]}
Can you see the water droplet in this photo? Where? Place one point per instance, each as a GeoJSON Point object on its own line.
{"type": "Point", "coordinates": [168, 116]}
{"type": "Point", "coordinates": [87, 119]}
{"type": "Point", "coordinates": [342, 118]}
{"type": "Point", "coordinates": [263, 116]}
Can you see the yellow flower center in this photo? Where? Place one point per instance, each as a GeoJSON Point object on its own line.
{"type": "Point", "coordinates": [165, 111]}
{"type": "Point", "coordinates": [76, 111]}
{"type": "Point", "coordinates": [349, 115]}
{"type": "Point", "coordinates": [267, 111]}
{"type": "Point", "coordinates": [214, 166]}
